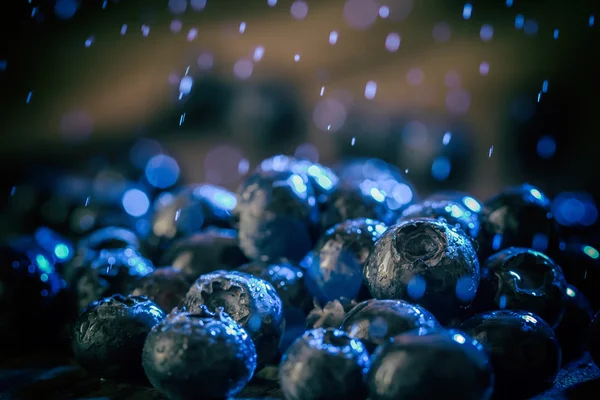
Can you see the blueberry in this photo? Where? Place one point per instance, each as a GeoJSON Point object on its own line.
{"type": "Point", "coordinates": [523, 349]}
{"type": "Point", "coordinates": [430, 364]}
{"type": "Point", "coordinates": [251, 301]}
{"type": "Point", "coordinates": [322, 179]}
{"type": "Point", "coordinates": [206, 251]}
{"type": "Point", "coordinates": [277, 215]}
{"type": "Point", "coordinates": [29, 285]}
{"type": "Point", "coordinates": [110, 272]}
{"type": "Point", "coordinates": [452, 212]}
{"type": "Point", "coordinates": [109, 335]}
{"type": "Point", "coordinates": [111, 237]}
{"type": "Point", "coordinates": [517, 217]}
{"type": "Point", "coordinates": [386, 179]}
{"type": "Point", "coordinates": [350, 202]}
{"type": "Point", "coordinates": [375, 321]}
{"type": "Point", "coordinates": [324, 364]}
{"type": "Point", "coordinates": [188, 210]}
{"type": "Point", "coordinates": [334, 267]}
{"type": "Point", "coordinates": [523, 279]}
{"type": "Point", "coordinates": [465, 199]}
{"type": "Point", "coordinates": [166, 287]}
{"type": "Point", "coordinates": [330, 315]}
{"type": "Point", "coordinates": [199, 355]}
{"type": "Point", "coordinates": [427, 262]}
{"type": "Point", "coordinates": [573, 329]}
{"type": "Point", "coordinates": [287, 279]}
{"type": "Point", "coordinates": [581, 266]}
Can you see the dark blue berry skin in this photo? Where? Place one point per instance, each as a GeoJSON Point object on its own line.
{"type": "Point", "coordinates": [523, 349]}
{"type": "Point", "coordinates": [322, 179]}
{"type": "Point", "coordinates": [277, 214]}
{"type": "Point", "coordinates": [324, 364]}
{"type": "Point", "coordinates": [251, 301]}
{"type": "Point", "coordinates": [188, 210]}
{"type": "Point", "coordinates": [452, 212]}
{"type": "Point", "coordinates": [519, 216]}
{"type": "Point", "coordinates": [430, 364]}
{"type": "Point", "coordinates": [523, 279]}
{"type": "Point", "coordinates": [334, 267]}
{"type": "Point", "coordinates": [109, 335]}
{"type": "Point", "coordinates": [199, 355]}
{"type": "Point", "coordinates": [350, 202]}
{"type": "Point", "coordinates": [581, 265]}
{"type": "Point", "coordinates": [110, 272]}
{"type": "Point", "coordinates": [29, 286]}
{"type": "Point", "coordinates": [112, 237]}
{"type": "Point", "coordinates": [166, 287]}
{"type": "Point", "coordinates": [465, 199]}
{"type": "Point", "coordinates": [426, 262]}
{"type": "Point", "coordinates": [373, 322]}
{"type": "Point", "coordinates": [204, 252]}
{"type": "Point", "coordinates": [572, 332]}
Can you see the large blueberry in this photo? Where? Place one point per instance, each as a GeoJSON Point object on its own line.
{"type": "Point", "coordinates": [334, 267]}
{"type": "Point", "coordinates": [452, 212]}
{"type": "Point", "coordinates": [251, 301]}
{"type": "Point", "coordinates": [109, 335]}
{"type": "Point", "coordinates": [323, 179]}
{"type": "Point", "coordinates": [203, 252]}
{"type": "Point", "coordinates": [324, 364]}
{"type": "Point", "coordinates": [430, 364]}
{"type": "Point", "coordinates": [166, 287]}
{"type": "Point", "coordinates": [523, 349]}
{"type": "Point", "coordinates": [199, 355]}
{"type": "Point", "coordinates": [277, 214]}
{"type": "Point", "coordinates": [523, 279]}
{"type": "Point", "coordinates": [109, 272]}
{"type": "Point", "coordinates": [375, 321]}
{"type": "Point", "coordinates": [519, 216]}
{"type": "Point", "coordinates": [427, 262]}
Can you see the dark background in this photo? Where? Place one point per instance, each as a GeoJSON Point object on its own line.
{"type": "Point", "coordinates": [90, 103]}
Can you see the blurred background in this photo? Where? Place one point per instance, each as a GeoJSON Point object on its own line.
{"type": "Point", "coordinates": [98, 97]}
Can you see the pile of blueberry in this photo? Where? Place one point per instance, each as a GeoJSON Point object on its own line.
{"type": "Point", "coordinates": [347, 281]}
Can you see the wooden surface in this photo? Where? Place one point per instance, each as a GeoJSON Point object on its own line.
{"type": "Point", "coordinates": [56, 378]}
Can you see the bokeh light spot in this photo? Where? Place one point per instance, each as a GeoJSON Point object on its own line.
{"type": "Point", "coordinates": [135, 202]}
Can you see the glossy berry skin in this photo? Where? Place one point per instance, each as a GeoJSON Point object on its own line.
{"type": "Point", "coordinates": [572, 332]}
{"type": "Point", "coordinates": [112, 237]}
{"type": "Point", "coordinates": [199, 355]}
{"type": "Point", "coordinates": [594, 338]}
{"type": "Point", "coordinates": [249, 300]}
{"type": "Point", "coordinates": [324, 364]}
{"type": "Point", "coordinates": [350, 202]}
{"type": "Point", "coordinates": [287, 279]}
{"type": "Point", "coordinates": [373, 322]}
{"type": "Point", "coordinates": [425, 262]}
{"type": "Point", "coordinates": [110, 272]}
{"type": "Point", "coordinates": [166, 287]}
{"type": "Point", "coordinates": [334, 267]}
{"type": "Point", "coordinates": [277, 214]}
{"type": "Point", "coordinates": [204, 252]}
{"type": "Point", "coordinates": [322, 179]}
{"type": "Point", "coordinates": [523, 279]}
{"type": "Point", "coordinates": [523, 349]}
{"type": "Point", "coordinates": [519, 216]}
{"type": "Point", "coordinates": [109, 335]}
{"type": "Point", "coordinates": [452, 212]}
{"type": "Point", "coordinates": [465, 199]}
{"type": "Point", "coordinates": [581, 265]}
{"type": "Point", "coordinates": [430, 364]}
{"type": "Point", "coordinates": [188, 210]}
